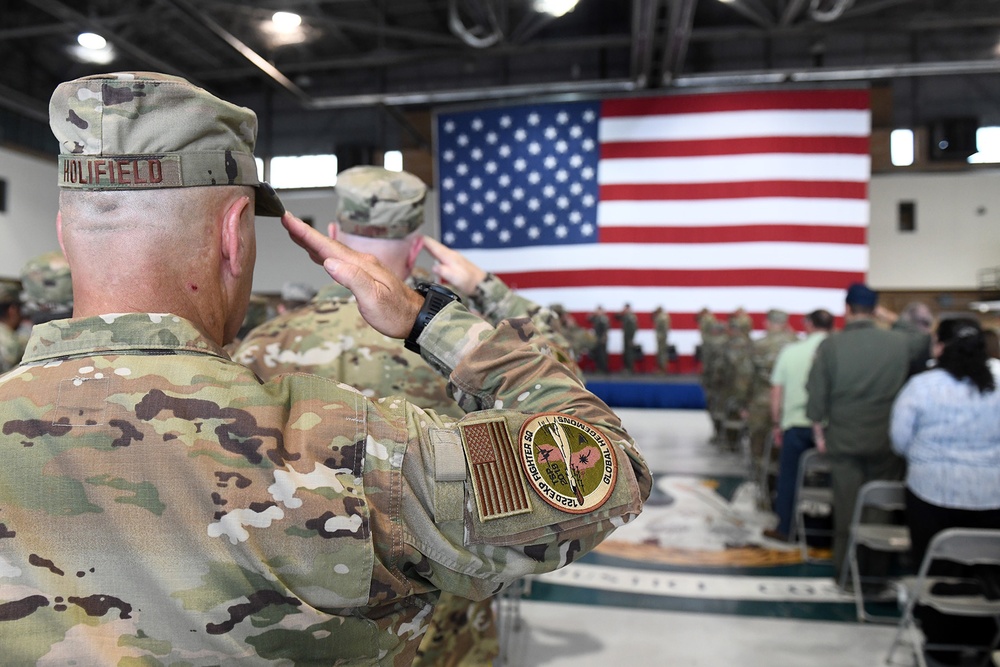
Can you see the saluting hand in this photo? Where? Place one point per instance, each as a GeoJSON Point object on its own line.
{"type": "Point", "coordinates": [453, 267]}
{"type": "Point", "coordinates": [385, 301]}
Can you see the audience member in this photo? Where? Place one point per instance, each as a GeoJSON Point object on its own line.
{"type": "Point", "coordinates": [792, 430]}
{"type": "Point", "coordinates": [630, 325]}
{"type": "Point", "coordinates": [600, 324]}
{"type": "Point", "coordinates": [661, 321]}
{"type": "Point", "coordinates": [916, 321]}
{"type": "Point", "coordinates": [946, 423]}
{"type": "Point", "coordinates": [854, 378]}
{"type": "Point", "coordinates": [764, 353]}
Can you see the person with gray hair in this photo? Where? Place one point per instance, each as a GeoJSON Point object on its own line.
{"type": "Point", "coordinates": [163, 504]}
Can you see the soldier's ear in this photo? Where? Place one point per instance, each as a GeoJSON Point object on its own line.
{"type": "Point", "coordinates": [232, 243]}
{"type": "Point", "coordinates": [414, 252]}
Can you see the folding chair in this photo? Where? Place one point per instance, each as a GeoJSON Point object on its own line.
{"type": "Point", "coordinates": [813, 497]}
{"type": "Point", "coordinates": [507, 612]}
{"type": "Point", "coordinates": [967, 546]}
{"type": "Point", "coordinates": [892, 538]}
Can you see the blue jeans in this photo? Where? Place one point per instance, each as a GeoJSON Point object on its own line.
{"type": "Point", "coordinates": [794, 442]}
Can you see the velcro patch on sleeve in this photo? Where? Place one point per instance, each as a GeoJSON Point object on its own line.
{"type": "Point", "coordinates": [497, 478]}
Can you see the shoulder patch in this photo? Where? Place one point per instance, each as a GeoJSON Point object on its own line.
{"type": "Point", "coordinates": [568, 462]}
{"type": "Point", "coordinates": [497, 480]}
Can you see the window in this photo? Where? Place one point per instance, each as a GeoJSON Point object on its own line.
{"type": "Point", "coordinates": [988, 144]}
{"type": "Point", "coordinates": [901, 147]}
{"type": "Point", "coordinates": [393, 161]}
{"type": "Point", "coordinates": [303, 171]}
{"type": "Point", "coordinates": [907, 216]}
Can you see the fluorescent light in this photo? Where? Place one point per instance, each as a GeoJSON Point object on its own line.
{"type": "Point", "coordinates": [901, 147]}
{"type": "Point", "coordinates": [393, 160]}
{"type": "Point", "coordinates": [555, 7]}
{"type": "Point", "coordinates": [91, 40]}
{"type": "Point", "coordinates": [286, 21]}
{"type": "Point", "coordinates": [303, 171]}
{"type": "Point", "coordinates": [988, 143]}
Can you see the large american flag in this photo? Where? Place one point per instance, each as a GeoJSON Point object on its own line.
{"type": "Point", "coordinates": [721, 200]}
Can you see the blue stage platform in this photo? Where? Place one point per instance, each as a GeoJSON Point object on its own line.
{"type": "Point", "coordinates": [677, 392]}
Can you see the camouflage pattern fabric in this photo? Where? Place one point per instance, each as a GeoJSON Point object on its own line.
{"type": "Point", "coordinates": [661, 321]}
{"type": "Point", "coordinates": [630, 325]}
{"type": "Point", "coordinates": [161, 505]}
{"type": "Point", "coordinates": [47, 286]}
{"type": "Point", "coordinates": [144, 130]}
{"type": "Point", "coordinates": [599, 324]}
{"type": "Point", "coordinates": [378, 203]}
{"type": "Point", "coordinates": [10, 348]}
{"type": "Point", "coordinates": [764, 354]}
{"type": "Point", "coordinates": [741, 320]}
{"type": "Point", "coordinates": [330, 338]}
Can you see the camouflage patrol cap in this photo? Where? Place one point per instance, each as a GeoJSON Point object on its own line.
{"type": "Point", "coordinates": [775, 316]}
{"type": "Point", "coordinates": [376, 202]}
{"type": "Point", "coordinates": [46, 285]}
{"type": "Point", "coordinates": [143, 130]}
{"type": "Point", "coordinates": [9, 291]}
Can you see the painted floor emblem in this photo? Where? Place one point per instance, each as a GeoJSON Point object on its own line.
{"type": "Point", "coordinates": [568, 462]}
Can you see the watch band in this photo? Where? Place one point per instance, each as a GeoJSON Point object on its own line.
{"type": "Point", "coordinates": [436, 297]}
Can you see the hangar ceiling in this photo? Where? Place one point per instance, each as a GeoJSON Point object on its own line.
{"type": "Point", "coordinates": [366, 72]}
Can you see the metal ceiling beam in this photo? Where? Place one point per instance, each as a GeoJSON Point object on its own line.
{"type": "Point", "coordinates": [792, 11]}
{"type": "Point", "coordinates": [681, 22]}
{"type": "Point", "coordinates": [576, 88]}
{"type": "Point", "coordinates": [64, 13]}
{"type": "Point", "coordinates": [864, 73]}
{"type": "Point", "coordinates": [20, 103]}
{"type": "Point", "coordinates": [643, 39]}
{"type": "Point", "coordinates": [751, 10]}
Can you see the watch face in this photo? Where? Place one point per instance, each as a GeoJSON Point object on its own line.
{"type": "Point", "coordinates": [568, 462]}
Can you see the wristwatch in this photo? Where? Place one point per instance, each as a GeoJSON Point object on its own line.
{"type": "Point", "coordinates": [436, 297]}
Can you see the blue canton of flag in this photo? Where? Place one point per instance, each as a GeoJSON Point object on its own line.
{"type": "Point", "coordinates": [519, 176]}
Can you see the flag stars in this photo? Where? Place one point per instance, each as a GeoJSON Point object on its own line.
{"type": "Point", "coordinates": [534, 204]}
{"type": "Point", "coordinates": [504, 236]}
{"type": "Point", "coordinates": [492, 224]}
{"type": "Point", "coordinates": [503, 180]}
{"type": "Point", "coordinates": [476, 153]}
{"type": "Point", "coordinates": [504, 150]}
{"type": "Point", "coordinates": [576, 131]}
{"type": "Point", "coordinates": [551, 133]}
{"type": "Point", "coordinates": [575, 217]}
{"type": "Point", "coordinates": [475, 182]}
{"type": "Point", "coordinates": [562, 175]}
{"type": "Point", "coordinates": [549, 219]}
{"type": "Point", "coordinates": [561, 146]}
{"type": "Point", "coordinates": [520, 134]}
{"type": "Point", "coordinates": [576, 161]}
{"type": "Point", "coordinates": [448, 155]}
{"type": "Point", "coordinates": [589, 116]}
{"type": "Point", "coordinates": [504, 206]}
{"type": "Point", "coordinates": [534, 148]}
{"type": "Point", "coordinates": [520, 164]}
{"type": "Point", "coordinates": [534, 118]}
{"type": "Point", "coordinates": [476, 124]}
{"type": "Point", "coordinates": [549, 191]}
{"type": "Point", "coordinates": [505, 121]}
{"type": "Point", "coordinates": [561, 231]}
{"type": "Point", "coordinates": [449, 238]}
{"type": "Point", "coordinates": [492, 138]}
{"type": "Point", "coordinates": [461, 224]}
{"type": "Point", "coordinates": [519, 221]}
{"type": "Point", "coordinates": [550, 162]}
{"type": "Point", "coordinates": [449, 126]}
{"type": "Point", "coordinates": [490, 196]}
{"type": "Point", "coordinates": [588, 200]}
{"type": "Point", "coordinates": [461, 169]}
{"type": "Point", "coordinates": [562, 202]}
{"type": "Point", "coordinates": [587, 144]}
{"type": "Point", "coordinates": [491, 167]}
{"type": "Point", "coordinates": [517, 193]}
{"type": "Point", "coordinates": [534, 233]}
{"type": "Point", "coordinates": [448, 183]}
{"type": "Point", "coordinates": [462, 140]}
{"type": "Point", "coordinates": [462, 198]}
{"type": "Point", "coordinates": [534, 177]}
{"type": "Point", "coordinates": [587, 173]}
{"type": "Point", "coordinates": [477, 207]}
{"type": "Point", "coordinates": [575, 188]}
{"type": "Point", "coordinates": [562, 117]}
{"type": "Point", "coordinates": [476, 237]}
{"type": "Point", "coordinates": [587, 229]}
{"type": "Point", "coordinates": [448, 207]}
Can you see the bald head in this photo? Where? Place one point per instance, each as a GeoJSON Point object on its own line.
{"type": "Point", "coordinates": [398, 255]}
{"type": "Point", "coordinates": [178, 250]}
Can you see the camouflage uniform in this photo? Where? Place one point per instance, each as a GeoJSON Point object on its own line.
{"type": "Point", "coordinates": [599, 323]}
{"type": "Point", "coordinates": [330, 338]}
{"type": "Point", "coordinates": [630, 325]}
{"type": "Point", "coordinates": [735, 380]}
{"type": "Point", "coordinates": [661, 320]}
{"type": "Point", "coordinates": [764, 354]}
{"type": "Point", "coordinates": [741, 320]}
{"type": "Point", "coordinates": [713, 360]}
{"type": "Point", "coordinates": [10, 344]}
{"type": "Point", "coordinates": [48, 287]}
{"type": "Point", "coordinates": [162, 505]}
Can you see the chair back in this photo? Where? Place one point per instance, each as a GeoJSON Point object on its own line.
{"type": "Point", "coordinates": [969, 546]}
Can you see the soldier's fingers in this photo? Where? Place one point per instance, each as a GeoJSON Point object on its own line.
{"type": "Point", "coordinates": [316, 244]}
{"type": "Point", "coordinates": [437, 249]}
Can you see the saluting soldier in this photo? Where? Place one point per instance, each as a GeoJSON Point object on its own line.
{"type": "Point", "coordinates": [163, 504]}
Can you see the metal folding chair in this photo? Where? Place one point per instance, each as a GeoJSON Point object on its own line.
{"type": "Point", "coordinates": [893, 538]}
{"type": "Point", "coordinates": [813, 497]}
{"type": "Point", "coordinates": [967, 546]}
{"type": "Point", "coordinates": [507, 612]}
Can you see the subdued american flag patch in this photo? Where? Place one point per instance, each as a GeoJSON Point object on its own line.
{"type": "Point", "coordinates": [497, 480]}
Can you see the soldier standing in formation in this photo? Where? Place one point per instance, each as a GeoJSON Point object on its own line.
{"type": "Point", "coordinates": [10, 320]}
{"type": "Point", "coordinates": [184, 511]}
{"type": "Point", "coordinates": [661, 320]}
{"type": "Point", "coordinates": [380, 212]}
{"type": "Point", "coordinates": [600, 324]}
{"type": "Point", "coordinates": [630, 325]}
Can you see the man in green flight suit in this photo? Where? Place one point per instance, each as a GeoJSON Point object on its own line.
{"type": "Point", "coordinates": [163, 504]}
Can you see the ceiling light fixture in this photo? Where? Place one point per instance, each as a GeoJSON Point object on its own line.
{"type": "Point", "coordinates": [91, 40]}
{"type": "Point", "coordinates": [555, 7]}
{"type": "Point", "coordinates": [286, 21]}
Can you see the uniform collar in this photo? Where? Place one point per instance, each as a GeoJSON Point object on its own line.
{"type": "Point", "coordinates": [117, 333]}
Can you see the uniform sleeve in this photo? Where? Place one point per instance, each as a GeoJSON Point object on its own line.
{"type": "Point", "coordinates": [818, 385]}
{"type": "Point", "coordinates": [903, 422]}
{"type": "Point", "coordinates": [538, 473]}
